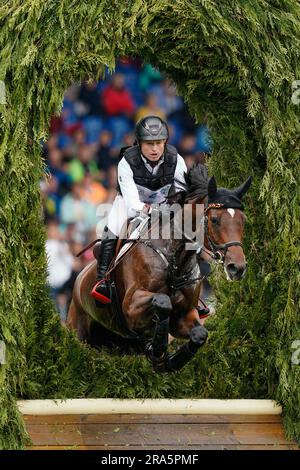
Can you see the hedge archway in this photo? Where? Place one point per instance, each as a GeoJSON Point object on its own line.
{"type": "Point", "coordinates": [234, 63]}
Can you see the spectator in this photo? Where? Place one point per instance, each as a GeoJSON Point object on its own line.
{"type": "Point", "coordinates": [51, 198]}
{"type": "Point", "coordinates": [117, 101]}
{"type": "Point", "coordinates": [84, 162]}
{"type": "Point", "coordinates": [92, 191]}
{"type": "Point", "coordinates": [112, 182]}
{"type": "Point", "coordinates": [64, 295]}
{"type": "Point", "coordinates": [149, 108]}
{"type": "Point", "coordinates": [128, 139]}
{"type": "Point", "coordinates": [186, 149]}
{"type": "Point", "coordinates": [56, 124]}
{"type": "Point", "coordinates": [105, 156]}
{"type": "Point", "coordinates": [54, 161]}
{"type": "Point", "coordinates": [71, 148]}
{"type": "Point", "coordinates": [75, 210]}
{"type": "Point", "coordinates": [60, 259]}
{"type": "Point", "coordinates": [167, 97]}
{"type": "Point", "coordinates": [79, 136]}
{"type": "Point", "coordinates": [89, 99]}
{"type": "Point", "coordinates": [52, 142]}
{"type": "Point", "coordinates": [148, 75]}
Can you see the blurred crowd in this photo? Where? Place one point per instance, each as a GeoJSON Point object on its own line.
{"type": "Point", "coordinates": [82, 154]}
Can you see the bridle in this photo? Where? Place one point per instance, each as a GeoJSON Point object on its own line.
{"type": "Point", "coordinates": [218, 251]}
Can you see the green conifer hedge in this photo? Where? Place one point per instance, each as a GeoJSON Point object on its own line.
{"type": "Point", "coordinates": [234, 62]}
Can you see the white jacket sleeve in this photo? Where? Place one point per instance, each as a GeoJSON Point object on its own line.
{"type": "Point", "coordinates": [128, 188]}
{"type": "Point", "coordinates": [180, 170]}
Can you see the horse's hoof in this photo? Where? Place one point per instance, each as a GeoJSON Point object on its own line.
{"type": "Point", "coordinates": [162, 304]}
{"type": "Point", "coordinates": [198, 335]}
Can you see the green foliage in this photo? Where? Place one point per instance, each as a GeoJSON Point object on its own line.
{"type": "Point", "coordinates": [234, 63]}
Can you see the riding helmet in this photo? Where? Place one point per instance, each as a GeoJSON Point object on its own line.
{"type": "Point", "coordinates": [151, 128]}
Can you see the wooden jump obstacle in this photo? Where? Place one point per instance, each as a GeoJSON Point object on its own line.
{"type": "Point", "coordinates": [113, 424]}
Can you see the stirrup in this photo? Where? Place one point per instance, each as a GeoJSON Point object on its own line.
{"type": "Point", "coordinates": [100, 297]}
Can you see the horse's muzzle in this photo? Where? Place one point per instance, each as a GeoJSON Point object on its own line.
{"type": "Point", "coordinates": [236, 271]}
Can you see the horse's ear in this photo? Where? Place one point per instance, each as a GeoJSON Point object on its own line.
{"type": "Point", "coordinates": [212, 187]}
{"type": "Point", "coordinates": [241, 190]}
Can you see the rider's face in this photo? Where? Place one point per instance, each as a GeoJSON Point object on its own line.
{"type": "Point", "coordinates": [153, 149]}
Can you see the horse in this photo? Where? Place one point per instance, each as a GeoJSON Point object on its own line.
{"type": "Point", "coordinates": [157, 282]}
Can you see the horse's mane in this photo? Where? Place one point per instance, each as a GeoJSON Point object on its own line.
{"type": "Point", "coordinates": [195, 186]}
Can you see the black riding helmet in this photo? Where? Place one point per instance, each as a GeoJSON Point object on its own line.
{"type": "Point", "coordinates": [151, 128]}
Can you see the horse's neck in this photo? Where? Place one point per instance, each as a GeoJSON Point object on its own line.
{"type": "Point", "coordinates": [204, 202]}
{"type": "Point", "coordinates": [175, 248]}
{"type": "Point", "coordinates": [184, 258]}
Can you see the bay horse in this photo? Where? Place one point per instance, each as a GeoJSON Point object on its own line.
{"type": "Point", "coordinates": [158, 281]}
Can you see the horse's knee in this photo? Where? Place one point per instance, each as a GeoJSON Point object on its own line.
{"type": "Point", "coordinates": [182, 327]}
{"type": "Point", "coordinates": [162, 305]}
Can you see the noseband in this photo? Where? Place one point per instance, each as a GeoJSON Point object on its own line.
{"type": "Point", "coordinates": [219, 251]}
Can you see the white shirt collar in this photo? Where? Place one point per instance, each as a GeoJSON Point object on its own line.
{"type": "Point", "coordinates": [152, 169]}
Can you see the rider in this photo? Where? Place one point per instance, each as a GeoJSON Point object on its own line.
{"type": "Point", "coordinates": [146, 173]}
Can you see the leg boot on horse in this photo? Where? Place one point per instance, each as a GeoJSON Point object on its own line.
{"type": "Point", "coordinates": [198, 337]}
{"type": "Point", "coordinates": [156, 350]}
{"type": "Point", "coordinates": [100, 291]}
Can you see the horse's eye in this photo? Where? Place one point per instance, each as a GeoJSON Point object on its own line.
{"type": "Point", "coordinates": [215, 220]}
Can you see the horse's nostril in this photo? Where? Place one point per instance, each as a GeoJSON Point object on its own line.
{"type": "Point", "coordinates": [232, 268]}
{"type": "Point", "coordinates": [236, 271]}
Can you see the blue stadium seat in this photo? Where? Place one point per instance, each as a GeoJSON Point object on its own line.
{"type": "Point", "coordinates": [64, 140]}
{"type": "Point", "coordinates": [92, 126]}
{"type": "Point", "coordinates": [118, 126]}
{"type": "Point", "coordinates": [177, 132]}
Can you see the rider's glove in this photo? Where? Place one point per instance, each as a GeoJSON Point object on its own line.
{"type": "Point", "coordinates": [144, 212]}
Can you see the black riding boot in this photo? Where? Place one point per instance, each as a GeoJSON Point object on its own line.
{"type": "Point", "coordinates": [107, 249]}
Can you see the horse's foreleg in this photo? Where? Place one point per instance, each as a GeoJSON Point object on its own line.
{"type": "Point", "coordinates": [139, 309]}
{"type": "Point", "coordinates": [157, 349]}
{"type": "Point", "coordinates": [189, 327]}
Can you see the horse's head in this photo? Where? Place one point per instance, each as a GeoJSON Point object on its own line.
{"type": "Point", "coordinates": [225, 226]}
{"type": "Point", "coordinates": [224, 218]}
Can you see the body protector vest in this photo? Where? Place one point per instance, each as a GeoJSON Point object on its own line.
{"type": "Point", "coordinates": [152, 188]}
